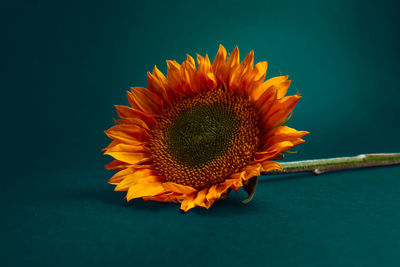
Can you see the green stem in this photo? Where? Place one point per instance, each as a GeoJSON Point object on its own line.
{"type": "Point", "coordinates": [318, 166]}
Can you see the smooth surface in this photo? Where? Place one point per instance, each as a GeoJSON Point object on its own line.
{"type": "Point", "coordinates": [66, 63]}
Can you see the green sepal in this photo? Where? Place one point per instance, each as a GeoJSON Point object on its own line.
{"type": "Point", "coordinates": [289, 152]}
{"type": "Point", "coordinates": [250, 188]}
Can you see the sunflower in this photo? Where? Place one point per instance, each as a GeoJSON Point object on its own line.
{"type": "Point", "coordinates": [201, 131]}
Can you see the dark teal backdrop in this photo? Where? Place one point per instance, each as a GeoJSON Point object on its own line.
{"type": "Point", "coordinates": [65, 64]}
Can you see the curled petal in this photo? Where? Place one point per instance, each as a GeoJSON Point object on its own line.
{"type": "Point", "coordinates": [213, 194]}
{"type": "Point", "coordinates": [188, 202]}
{"type": "Point", "coordinates": [268, 165]}
{"type": "Point", "coordinates": [253, 169]}
{"type": "Point", "coordinates": [201, 199]}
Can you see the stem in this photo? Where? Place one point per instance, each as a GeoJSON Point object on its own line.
{"type": "Point", "coordinates": [318, 166]}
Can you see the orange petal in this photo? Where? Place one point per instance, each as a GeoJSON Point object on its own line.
{"type": "Point", "coordinates": [253, 169]}
{"type": "Point", "coordinates": [254, 78]}
{"type": "Point", "coordinates": [201, 199]}
{"type": "Point", "coordinates": [123, 121]}
{"type": "Point", "coordinates": [132, 116]}
{"type": "Point", "coordinates": [157, 83]}
{"type": "Point", "coordinates": [275, 80]}
{"type": "Point", "coordinates": [188, 202]}
{"type": "Point", "coordinates": [283, 133]}
{"type": "Point", "coordinates": [127, 133]}
{"type": "Point", "coordinates": [230, 65]}
{"type": "Point", "coordinates": [248, 61]}
{"type": "Point", "coordinates": [135, 176]}
{"type": "Point", "coordinates": [129, 96]}
{"type": "Point", "coordinates": [294, 140]}
{"type": "Point", "coordinates": [264, 155]}
{"type": "Point", "coordinates": [257, 93]}
{"type": "Point", "coordinates": [236, 75]}
{"type": "Point", "coordinates": [121, 175]}
{"type": "Point", "coordinates": [213, 194]}
{"type": "Point", "coordinates": [268, 165]}
{"type": "Point", "coordinates": [282, 88]}
{"type": "Point", "coordinates": [238, 175]}
{"type": "Point", "coordinates": [131, 157]}
{"type": "Point", "coordinates": [237, 183]}
{"type": "Point", "coordinates": [259, 71]}
{"type": "Point", "coordinates": [121, 147]}
{"type": "Point", "coordinates": [279, 89]}
{"type": "Point", "coordinates": [218, 65]}
{"type": "Point", "coordinates": [224, 186]}
{"type": "Point", "coordinates": [116, 165]}
{"type": "Point", "coordinates": [266, 100]}
{"type": "Point", "coordinates": [279, 110]}
{"type": "Point", "coordinates": [273, 151]}
{"type": "Point", "coordinates": [190, 60]}
{"type": "Point", "coordinates": [144, 189]}
{"type": "Point", "coordinates": [174, 77]}
{"type": "Point", "coordinates": [163, 197]}
{"type": "Point", "coordinates": [205, 74]}
{"type": "Point", "coordinates": [160, 76]}
{"type": "Point", "coordinates": [233, 59]}
{"type": "Point", "coordinates": [178, 188]}
{"type": "Point", "coordinates": [134, 121]}
{"type": "Point", "coordinates": [147, 101]}
{"type": "Point", "coordinates": [129, 113]}
{"type": "Point", "coordinates": [113, 143]}
{"type": "Point", "coordinates": [191, 84]}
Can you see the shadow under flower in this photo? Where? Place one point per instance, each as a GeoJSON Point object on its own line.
{"type": "Point", "coordinates": [232, 204]}
{"type": "Point", "coordinates": [268, 178]}
{"type": "Point", "coordinates": [105, 194]}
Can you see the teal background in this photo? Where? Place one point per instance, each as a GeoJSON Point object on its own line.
{"type": "Point", "coordinates": [65, 64]}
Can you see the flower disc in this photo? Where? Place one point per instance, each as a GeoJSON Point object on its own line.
{"type": "Point", "coordinates": [202, 139]}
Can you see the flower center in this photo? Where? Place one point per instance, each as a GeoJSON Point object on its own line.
{"type": "Point", "coordinates": [201, 140]}
{"type": "Point", "coordinates": [201, 134]}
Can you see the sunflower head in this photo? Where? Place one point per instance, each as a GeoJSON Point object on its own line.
{"type": "Point", "coordinates": [194, 135]}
